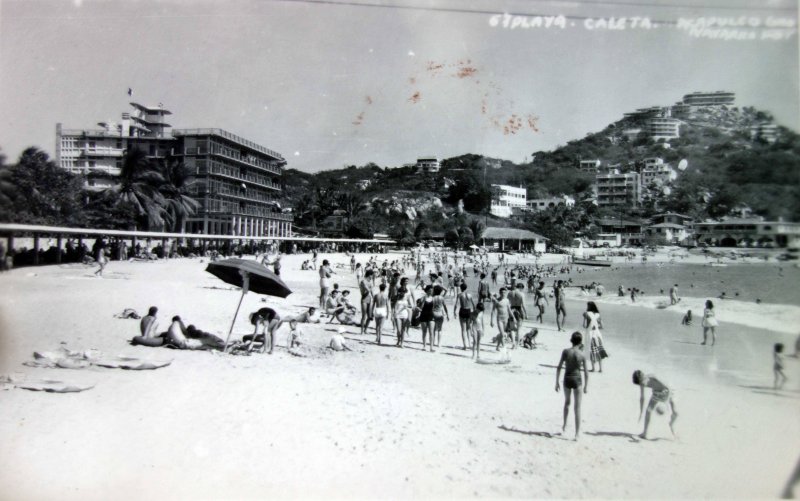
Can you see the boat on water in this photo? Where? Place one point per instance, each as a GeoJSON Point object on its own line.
{"type": "Point", "coordinates": [591, 262]}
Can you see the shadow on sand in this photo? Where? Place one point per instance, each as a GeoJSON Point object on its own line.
{"type": "Point", "coordinates": [543, 434]}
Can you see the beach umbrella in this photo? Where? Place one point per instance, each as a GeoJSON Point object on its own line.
{"type": "Point", "coordinates": [250, 276]}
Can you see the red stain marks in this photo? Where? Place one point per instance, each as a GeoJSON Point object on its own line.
{"type": "Point", "coordinates": [434, 67]}
{"type": "Point", "coordinates": [484, 106]}
{"type": "Point", "coordinates": [512, 125]}
{"type": "Point", "coordinates": [415, 98]}
{"type": "Point", "coordinates": [412, 80]}
{"type": "Point", "coordinates": [466, 71]}
{"type": "Point", "coordinates": [369, 100]}
{"type": "Point", "coordinates": [359, 119]}
{"type": "Point", "coordinates": [533, 122]}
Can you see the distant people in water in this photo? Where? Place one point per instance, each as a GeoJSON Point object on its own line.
{"type": "Point", "coordinates": [661, 396]}
{"type": "Point", "coordinates": [687, 319]}
{"type": "Point", "coordinates": [777, 368]}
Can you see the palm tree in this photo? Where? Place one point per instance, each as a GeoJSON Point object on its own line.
{"type": "Point", "coordinates": [477, 227]}
{"type": "Point", "coordinates": [139, 183]}
{"type": "Point", "coordinates": [178, 202]}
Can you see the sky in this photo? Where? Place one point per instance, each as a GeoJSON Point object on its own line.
{"type": "Point", "coordinates": [331, 83]}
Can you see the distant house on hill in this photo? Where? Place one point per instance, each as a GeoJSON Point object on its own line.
{"type": "Point", "coordinates": [430, 165]}
{"type": "Point", "coordinates": [631, 232]}
{"type": "Point", "coordinates": [505, 239]}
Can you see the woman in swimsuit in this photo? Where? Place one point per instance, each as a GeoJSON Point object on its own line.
{"type": "Point", "coordinates": [709, 323]}
{"type": "Point", "coordinates": [464, 306]}
{"type": "Point", "coordinates": [426, 317]}
{"type": "Point", "coordinates": [593, 324]}
{"type": "Point", "coordinates": [402, 313]}
{"type": "Point", "coordinates": [380, 310]}
{"type": "Point", "coordinates": [439, 312]}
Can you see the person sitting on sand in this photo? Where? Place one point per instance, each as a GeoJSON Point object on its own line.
{"type": "Point", "coordinates": [529, 341]}
{"type": "Point", "coordinates": [780, 377]}
{"type": "Point", "coordinates": [661, 396]}
{"type": "Point", "coordinates": [148, 324]}
{"type": "Point", "coordinates": [687, 319]}
{"type": "Point", "coordinates": [338, 342]}
{"type": "Point", "coordinates": [575, 362]}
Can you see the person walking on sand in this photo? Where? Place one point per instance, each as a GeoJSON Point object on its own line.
{"type": "Point", "coordinates": [673, 295]}
{"type": "Point", "coordinates": [516, 298]}
{"type": "Point", "coordinates": [539, 299]}
{"type": "Point", "coordinates": [365, 286]}
{"type": "Point", "coordinates": [402, 312]}
{"type": "Point", "coordinates": [561, 309]}
{"type": "Point", "coordinates": [574, 362]}
{"type": "Point", "coordinates": [464, 306]}
{"type": "Point", "coordinates": [100, 256]}
{"type": "Point", "coordinates": [777, 367]}
{"type": "Point", "coordinates": [426, 317]}
{"type": "Point", "coordinates": [439, 312]}
{"type": "Point", "coordinates": [593, 324]}
{"type": "Point", "coordinates": [662, 395]}
{"type": "Point", "coordinates": [501, 311]}
{"type": "Point", "coordinates": [709, 323]}
{"type": "Point", "coordinates": [380, 310]}
{"type": "Point", "coordinates": [477, 330]}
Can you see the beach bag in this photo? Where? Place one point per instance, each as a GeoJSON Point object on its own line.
{"type": "Point", "coordinates": [603, 352]}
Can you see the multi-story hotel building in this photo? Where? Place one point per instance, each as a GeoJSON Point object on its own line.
{"type": "Point", "coordinates": [506, 198]}
{"type": "Point", "coordinates": [614, 188]}
{"type": "Point", "coordinates": [717, 98]}
{"type": "Point", "coordinates": [236, 181]}
{"type": "Point", "coordinates": [428, 164]}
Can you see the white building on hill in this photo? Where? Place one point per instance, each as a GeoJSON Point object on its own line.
{"type": "Point", "coordinates": [506, 198]}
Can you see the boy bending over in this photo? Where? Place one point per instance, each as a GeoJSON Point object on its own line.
{"type": "Point", "coordinates": [660, 397]}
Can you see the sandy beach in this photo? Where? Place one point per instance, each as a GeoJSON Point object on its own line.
{"type": "Point", "coordinates": [378, 422]}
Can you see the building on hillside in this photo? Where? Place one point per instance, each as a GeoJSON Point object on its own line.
{"type": "Point", "coordinates": [505, 198]}
{"type": "Point", "coordinates": [657, 173]}
{"type": "Point", "coordinates": [615, 188]}
{"type": "Point", "coordinates": [750, 232]}
{"type": "Point", "coordinates": [630, 232]}
{"type": "Point", "coordinates": [237, 182]}
{"type": "Point", "coordinates": [589, 165]}
{"type": "Point", "coordinates": [766, 131]}
{"type": "Point", "coordinates": [430, 165]}
{"type": "Point", "coordinates": [718, 98]}
{"type": "Point", "coordinates": [642, 113]}
{"type": "Point", "coordinates": [505, 239]}
{"type": "Point", "coordinates": [538, 204]}
{"type": "Point", "coordinates": [673, 218]}
{"type": "Point", "coordinates": [665, 128]}
{"type": "Point", "coordinates": [671, 233]}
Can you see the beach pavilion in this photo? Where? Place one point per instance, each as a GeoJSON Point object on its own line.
{"type": "Point", "coordinates": [513, 239]}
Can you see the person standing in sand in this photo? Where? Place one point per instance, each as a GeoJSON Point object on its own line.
{"type": "Point", "coordinates": [501, 311]}
{"type": "Point", "coordinates": [561, 309]}
{"type": "Point", "coordinates": [575, 362]}
{"type": "Point", "coordinates": [777, 368]}
{"type": "Point", "coordinates": [380, 310]}
{"type": "Point", "coordinates": [325, 273]}
{"type": "Point", "coordinates": [662, 395]}
{"type": "Point", "coordinates": [709, 323]}
{"type": "Point", "coordinates": [464, 306]}
{"type": "Point", "coordinates": [593, 324]}
{"type": "Point", "coordinates": [365, 286]}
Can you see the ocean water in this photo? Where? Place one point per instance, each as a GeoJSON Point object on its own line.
{"type": "Point", "coordinates": [772, 283]}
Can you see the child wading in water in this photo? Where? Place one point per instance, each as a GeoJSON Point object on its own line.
{"type": "Point", "coordinates": [660, 397]}
{"type": "Point", "coordinates": [780, 377]}
{"type": "Point", "coordinates": [575, 362]}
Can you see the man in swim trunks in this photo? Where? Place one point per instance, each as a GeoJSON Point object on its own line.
{"type": "Point", "coordinates": [561, 309]}
{"type": "Point", "coordinates": [662, 395]}
{"type": "Point", "coordinates": [575, 361]}
{"type": "Point", "coordinates": [516, 299]}
{"type": "Point", "coordinates": [380, 310]}
{"type": "Point", "coordinates": [502, 313]}
{"type": "Point", "coordinates": [365, 286]}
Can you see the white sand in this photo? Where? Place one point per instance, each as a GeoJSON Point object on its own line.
{"type": "Point", "coordinates": [377, 422]}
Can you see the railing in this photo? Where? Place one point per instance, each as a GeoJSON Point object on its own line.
{"type": "Point", "coordinates": [227, 135]}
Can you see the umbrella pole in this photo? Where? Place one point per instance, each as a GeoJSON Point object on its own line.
{"type": "Point", "coordinates": [227, 339]}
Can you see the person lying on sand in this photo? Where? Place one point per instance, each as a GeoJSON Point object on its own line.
{"type": "Point", "coordinates": [661, 396]}
{"type": "Point", "coordinates": [177, 336]}
{"type": "Point", "coordinates": [575, 362]}
{"type": "Point", "coordinates": [307, 317]}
